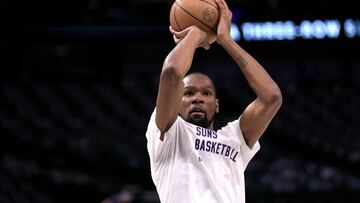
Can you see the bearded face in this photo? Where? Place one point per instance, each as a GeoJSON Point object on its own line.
{"type": "Point", "coordinates": [199, 104]}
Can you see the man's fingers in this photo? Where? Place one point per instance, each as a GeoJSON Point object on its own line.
{"type": "Point", "coordinates": [172, 30]}
{"type": "Point", "coordinates": [225, 12]}
{"type": "Point", "coordinates": [224, 9]}
{"type": "Point", "coordinates": [225, 4]}
{"type": "Point", "coordinates": [176, 39]}
{"type": "Point", "coordinates": [220, 3]}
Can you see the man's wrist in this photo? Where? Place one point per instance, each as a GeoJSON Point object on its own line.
{"type": "Point", "coordinates": [198, 35]}
{"type": "Point", "coordinates": [223, 39]}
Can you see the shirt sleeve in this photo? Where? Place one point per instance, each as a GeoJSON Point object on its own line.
{"type": "Point", "coordinates": [247, 153]}
{"type": "Point", "coordinates": [157, 148]}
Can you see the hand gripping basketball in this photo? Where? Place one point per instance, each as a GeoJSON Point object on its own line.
{"type": "Point", "coordinates": [201, 13]}
{"type": "Point", "coordinates": [178, 36]}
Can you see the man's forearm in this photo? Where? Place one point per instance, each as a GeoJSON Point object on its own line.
{"type": "Point", "coordinates": [181, 57]}
{"type": "Point", "coordinates": [176, 65]}
{"type": "Point", "coordinates": [259, 80]}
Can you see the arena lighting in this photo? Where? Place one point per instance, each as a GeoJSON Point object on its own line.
{"type": "Point", "coordinates": [289, 30]}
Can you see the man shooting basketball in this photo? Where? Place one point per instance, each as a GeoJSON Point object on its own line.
{"type": "Point", "coordinates": [190, 162]}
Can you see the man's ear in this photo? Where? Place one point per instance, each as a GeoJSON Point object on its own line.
{"type": "Point", "coordinates": [217, 106]}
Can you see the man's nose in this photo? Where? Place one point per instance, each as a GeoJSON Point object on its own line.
{"type": "Point", "coordinates": [198, 98]}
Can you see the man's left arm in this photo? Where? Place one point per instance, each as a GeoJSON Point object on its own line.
{"type": "Point", "coordinates": [258, 114]}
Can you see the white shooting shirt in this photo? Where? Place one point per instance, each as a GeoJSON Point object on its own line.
{"type": "Point", "coordinates": [196, 165]}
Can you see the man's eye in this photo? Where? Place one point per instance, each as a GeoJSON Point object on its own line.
{"type": "Point", "coordinates": [188, 93]}
{"type": "Point", "coordinates": [206, 93]}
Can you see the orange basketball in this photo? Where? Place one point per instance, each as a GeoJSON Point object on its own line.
{"type": "Point", "coordinates": [202, 13]}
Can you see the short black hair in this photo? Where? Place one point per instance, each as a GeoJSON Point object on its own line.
{"type": "Point", "coordinates": [203, 74]}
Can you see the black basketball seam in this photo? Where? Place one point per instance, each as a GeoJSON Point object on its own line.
{"type": "Point", "coordinates": [177, 23]}
{"type": "Point", "coordinates": [194, 17]}
{"type": "Point", "coordinates": [210, 4]}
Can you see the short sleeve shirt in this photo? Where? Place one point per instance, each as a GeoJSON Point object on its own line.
{"type": "Point", "coordinates": [194, 164]}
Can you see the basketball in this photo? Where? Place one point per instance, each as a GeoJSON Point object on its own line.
{"type": "Point", "coordinates": [202, 13]}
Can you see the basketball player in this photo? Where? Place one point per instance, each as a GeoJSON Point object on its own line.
{"type": "Point", "coordinates": [190, 162]}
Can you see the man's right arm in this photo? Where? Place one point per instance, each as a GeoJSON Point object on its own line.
{"type": "Point", "coordinates": [176, 65]}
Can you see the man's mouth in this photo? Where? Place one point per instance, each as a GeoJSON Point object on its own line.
{"type": "Point", "coordinates": [197, 110]}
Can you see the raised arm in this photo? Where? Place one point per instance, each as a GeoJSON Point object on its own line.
{"type": "Point", "coordinates": [258, 114]}
{"type": "Point", "coordinates": [176, 65]}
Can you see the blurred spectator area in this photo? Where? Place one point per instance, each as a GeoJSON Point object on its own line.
{"type": "Point", "coordinates": [155, 12]}
{"type": "Point", "coordinates": [73, 119]}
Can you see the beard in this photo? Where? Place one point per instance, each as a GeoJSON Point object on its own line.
{"type": "Point", "coordinates": [202, 122]}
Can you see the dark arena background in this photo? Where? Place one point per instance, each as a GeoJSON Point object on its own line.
{"type": "Point", "coordinates": [79, 82]}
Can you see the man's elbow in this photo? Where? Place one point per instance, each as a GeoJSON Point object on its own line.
{"type": "Point", "coordinates": [274, 98]}
{"type": "Point", "coordinates": [277, 98]}
{"type": "Point", "coordinates": [170, 74]}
